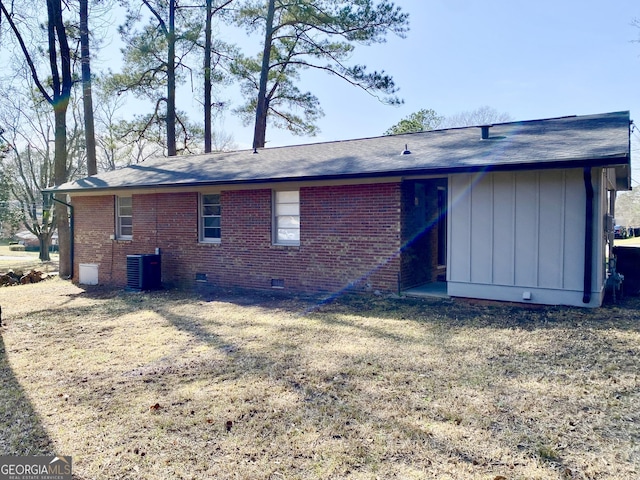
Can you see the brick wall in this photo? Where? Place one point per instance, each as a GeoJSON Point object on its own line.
{"type": "Point", "coordinates": [350, 237]}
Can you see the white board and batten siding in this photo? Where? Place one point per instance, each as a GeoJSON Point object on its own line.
{"type": "Point", "coordinates": [519, 236]}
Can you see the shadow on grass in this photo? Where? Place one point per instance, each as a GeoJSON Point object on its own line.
{"type": "Point", "coordinates": [446, 312]}
{"type": "Point", "coordinates": [21, 432]}
{"type": "Point", "coordinates": [461, 312]}
{"type": "Point", "coordinates": [337, 395]}
{"type": "Point", "coordinates": [326, 399]}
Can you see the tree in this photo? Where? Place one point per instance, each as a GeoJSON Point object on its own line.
{"type": "Point", "coordinates": [210, 11]}
{"type": "Point", "coordinates": [10, 217]}
{"type": "Point", "coordinates": [29, 164]}
{"type": "Point", "coordinates": [420, 121]}
{"type": "Point", "coordinates": [31, 169]}
{"type": "Point", "coordinates": [4, 146]}
{"type": "Point", "coordinates": [87, 98]}
{"type": "Point", "coordinates": [310, 34]}
{"type": "Point", "coordinates": [628, 207]}
{"type": "Point", "coordinates": [153, 61]}
{"type": "Point", "coordinates": [60, 82]}
{"type": "Point", "coordinates": [117, 141]}
{"type": "Point", "coordinates": [428, 119]}
{"type": "Point", "coordinates": [480, 116]}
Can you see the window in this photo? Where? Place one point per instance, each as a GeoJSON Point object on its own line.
{"type": "Point", "coordinates": [124, 218]}
{"type": "Point", "coordinates": [287, 218]}
{"type": "Point", "coordinates": [210, 211]}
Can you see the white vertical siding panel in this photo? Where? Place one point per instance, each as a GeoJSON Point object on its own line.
{"type": "Point", "coordinates": [459, 251]}
{"type": "Point", "coordinates": [550, 239]}
{"type": "Point", "coordinates": [504, 228]}
{"type": "Point", "coordinates": [511, 232]}
{"type": "Point", "coordinates": [563, 222]}
{"type": "Point", "coordinates": [482, 229]}
{"type": "Point", "coordinates": [574, 225]}
{"type": "Point", "coordinates": [526, 232]}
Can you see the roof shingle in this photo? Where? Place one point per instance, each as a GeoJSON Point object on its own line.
{"type": "Point", "coordinates": [601, 140]}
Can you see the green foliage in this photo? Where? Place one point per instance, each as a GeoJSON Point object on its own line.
{"type": "Point", "coordinates": [292, 109]}
{"type": "Point", "coordinates": [145, 54]}
{"type": "Point", "coordinates": [147, 73]}
{"type": "Point", "coordinates": [319, 35]}
{"type": "Point", "coordinates": [10, 215]}
{"type": "Point", "coordinates": [4, 146]}
{"type": "Point", "coordinates": [420, 121]}
{"type": "Point", "coordinates": [5, 191]}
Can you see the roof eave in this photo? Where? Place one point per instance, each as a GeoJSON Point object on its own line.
{"type": "Point", "coordinates": [619, 161]}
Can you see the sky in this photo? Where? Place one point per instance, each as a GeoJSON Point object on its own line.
{"type": "Point", "coordinates": [532, 60]}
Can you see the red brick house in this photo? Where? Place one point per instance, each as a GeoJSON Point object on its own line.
{"type": "Point", "coordinates": [515, 211]}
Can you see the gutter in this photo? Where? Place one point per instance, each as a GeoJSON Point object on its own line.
{"type": "Point", "coordinates": [588, 236]}
{"type": "Point", "coordinates": [71, 230]}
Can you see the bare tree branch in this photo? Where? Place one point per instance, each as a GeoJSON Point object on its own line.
{"type": "Point", "coordinates": [27, 55]}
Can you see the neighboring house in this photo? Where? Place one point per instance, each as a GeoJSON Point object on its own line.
{"type": "Point", "coordinates": [515, 211]}
{"type": "Point", "coordinates": [26, 238]}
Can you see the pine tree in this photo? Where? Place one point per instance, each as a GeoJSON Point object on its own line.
{"type": "Point", "coordinates": [310, 34]}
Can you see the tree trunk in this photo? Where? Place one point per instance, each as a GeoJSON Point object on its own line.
{"type": "Point", "coordinates": [207, 78]}
{"type": "Point", "coordinates": [171, 81]}
{"type": "Point", "coordinates": [60, 102]}
{"type": "Point", "coordinates": [44, 239]}
{"type": "Point", "coordinates": [262, 107]}
{"type": "Point", "coordinates": [89, 130]}
{"type": "Point", "coordinates": [60, 166]}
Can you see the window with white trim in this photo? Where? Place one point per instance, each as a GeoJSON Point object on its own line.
{"type": "Point", "coordinates": [286, 217]}
{"type": "Point", "coordinates": [124, 218]}
{"type": "Point", "coordinates": [210, 216]}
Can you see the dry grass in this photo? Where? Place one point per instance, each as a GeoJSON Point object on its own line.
{"type": "Point", "coordinates": [253, 386]}
{"type": "Point", "coordinates": [627, 242]}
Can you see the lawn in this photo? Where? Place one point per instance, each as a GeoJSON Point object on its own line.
{"type": "Point", "coordinates": [249, 385]}
{"type": "Point", "coordinates": [627, 242]}
{"type": "Point", "coordinates": [25, 261]}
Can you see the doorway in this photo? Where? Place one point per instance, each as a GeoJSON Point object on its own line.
{"type": "Point", "coordinates": [424, 231]}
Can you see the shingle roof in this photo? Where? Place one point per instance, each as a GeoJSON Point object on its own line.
{"type": "Point", "coordinates": [596, 140]}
